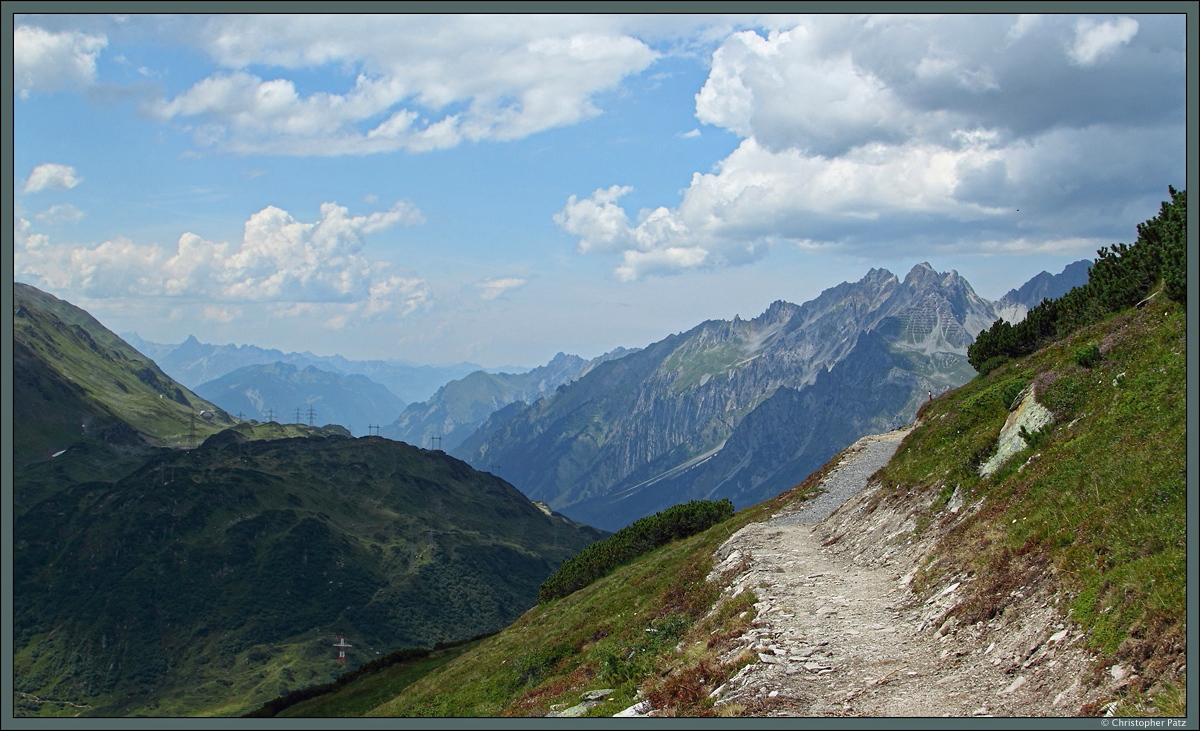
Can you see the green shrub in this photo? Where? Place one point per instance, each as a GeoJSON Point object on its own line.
{"type": "Point", "coordinates": [643, 536]}
{"type": "Point", "coordinates": [992, 364]}
{"type": "Point", "coordinates": [1088, 356]}
{"type": "Point", "coordinates": [1173, 232]}
{"type": "Point", "coordinates": [1010, 391]}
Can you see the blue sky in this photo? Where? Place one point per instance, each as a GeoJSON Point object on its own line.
{"type": "Point", "coordinates": [499, 188]}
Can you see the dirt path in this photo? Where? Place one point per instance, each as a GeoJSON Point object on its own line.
{"type": "Point", "coordinates": [839, 633]}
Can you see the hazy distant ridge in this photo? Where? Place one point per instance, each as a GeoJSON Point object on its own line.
{"type": "Point", "coordinates": [459, 407]}
{"type": "Point", "coordinates": [276, 390]}
{"type": "Point", "coordinates": [193, 362]}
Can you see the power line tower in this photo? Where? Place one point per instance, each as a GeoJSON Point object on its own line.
{"type": "Point", "coordinates": [341, 646]}
{"type": "Point", "coordinates": [371, 427]}
{"type": "Point", "coordinates": [270, 415]}
{"type": "Point", "coordinates": [297, 421]}
{"type": "Point", "coordinates": [436, 442]}
{"type": "Point", "coordinates": [311, 415]}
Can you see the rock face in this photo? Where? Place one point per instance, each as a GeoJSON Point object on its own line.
{"type": "Point", "coordinates": [1026, 414]}
{"type": "Point", "coordinates": [740, 409]}
{"type": "Point", "coordinates": [458, 408]}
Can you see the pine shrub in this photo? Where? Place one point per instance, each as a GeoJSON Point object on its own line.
{"type": "Point", "coordinates": [1120, 277]}
{"type": "Point", "coordinates": [643, 536]}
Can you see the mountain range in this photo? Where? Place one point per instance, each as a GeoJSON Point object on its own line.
{"type": "Point", "coordinates": [276, 391]}
{"type": "Point", "coordinates": [160, 580]}
{"type": "Point", "coordinates": [461, 406]}
{"type": "Point", "coordinates": [686, 417]}
{"type": "Point", "coordinates": [193, 363]}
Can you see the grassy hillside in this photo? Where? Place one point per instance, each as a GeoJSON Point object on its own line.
{"type": "Point", "coordinates": [207, 581]}
{"type": "Point", "coordinates": [1099, 497]}
{"type": "Point", "coordinates": [621, 632]}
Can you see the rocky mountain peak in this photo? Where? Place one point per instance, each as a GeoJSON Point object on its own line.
{"type": "Point", "coordinates": [879, 276]}
{"type": "Point", "coordinates": [920, 276]}
{"type": "Point", "coordinates": [779, 311]}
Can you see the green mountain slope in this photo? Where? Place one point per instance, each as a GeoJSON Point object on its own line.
{"type": "Point", "coordinates": [210, 580]}
{"type": "Point", "coordinates": [1097, 498]}
{"type": "Point", "coordinates": [72, 377]}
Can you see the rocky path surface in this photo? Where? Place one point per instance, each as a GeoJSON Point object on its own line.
{"type": "Point", "coordinates": [840, 633]}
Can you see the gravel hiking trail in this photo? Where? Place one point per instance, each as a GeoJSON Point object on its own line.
{"type": "Point", "coordinates": [840, 633]}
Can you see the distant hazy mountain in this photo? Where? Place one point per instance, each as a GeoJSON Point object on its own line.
{"type": "Point", "coordinates": [193, 362]}
{"type": "Point", "coordinates": [1014, 305]}
{"type": "Point", "coordinates": [459, 407]}
{"type": "Point", "coordinates": [154, 351]}
{"type": "Point", "coordinates": [647, 431]}
{"type": "Point", "coordinates": [278, 389]}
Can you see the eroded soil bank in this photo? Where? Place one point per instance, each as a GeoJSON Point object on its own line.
{"type": "Point", "coordinates": [841, 633]}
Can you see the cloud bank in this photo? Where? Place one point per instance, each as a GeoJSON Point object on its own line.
{"type": "Point", "coordinates": [279, 260]}
{"type": "Point", "coordinates": [867, 133]}
{"type": "Point", "coordinates": [419, 83]}
{"type": "Point", "coordinates": [495, 287]}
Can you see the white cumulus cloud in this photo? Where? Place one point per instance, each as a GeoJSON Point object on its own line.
{"type": "Point", "coordinates": [494, 287]}
{"type": "Point", "coordinates": [61, 213]}
{"type": "Point", "coordinates": [1094, 41]}
{"type": "Point", "coordinates": [52, 175]}
{"type": "Point", "coordinates": [44, 61]}
{"type": "Point", "coordinates": [422, 82]}
{"type": "Point", "coordinates": [279, 260]}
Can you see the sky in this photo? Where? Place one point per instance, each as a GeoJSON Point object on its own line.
{"type": "Point", "coordinates": [499, 188]}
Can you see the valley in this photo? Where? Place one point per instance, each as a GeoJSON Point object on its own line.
{"type": "Point", "coordinates": [170, 566]}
